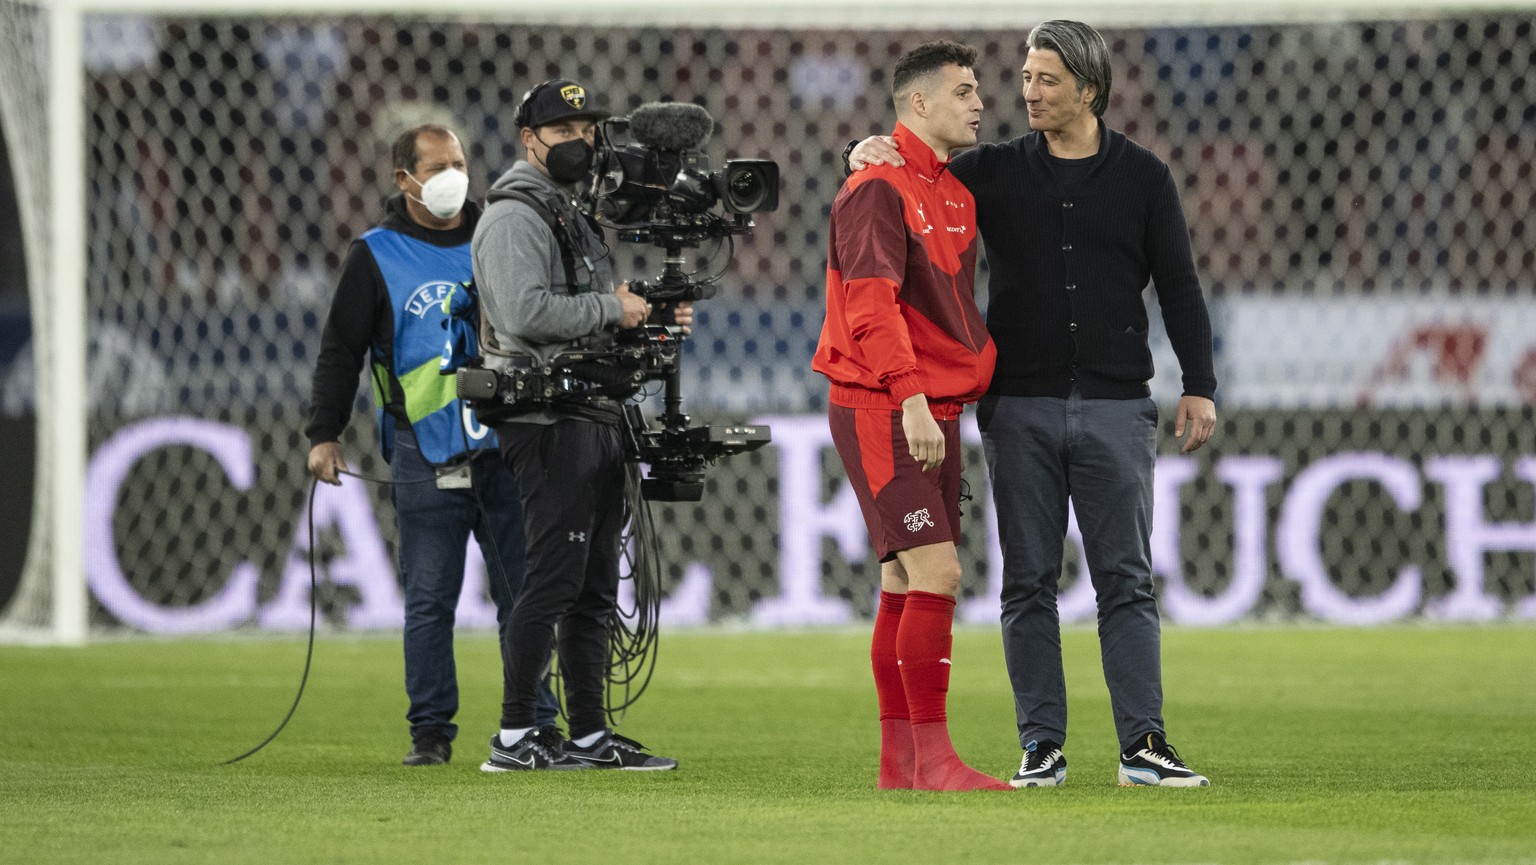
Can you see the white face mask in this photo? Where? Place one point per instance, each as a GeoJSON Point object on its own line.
{"type": "Point", "coordinates": [443, 194]}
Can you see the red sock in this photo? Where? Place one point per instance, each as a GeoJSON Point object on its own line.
{"type": "Point", "coordinates": [938, 767]}
{"type": "Point", "coordinates": [895, 729]}
{"type": "Point", "coordinates": [923, 644]}
{"type": "Point", "coordinates": [897, 754]}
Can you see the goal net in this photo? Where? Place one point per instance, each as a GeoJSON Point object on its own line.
{"type": "Point", "coordinates": [1359, 192]}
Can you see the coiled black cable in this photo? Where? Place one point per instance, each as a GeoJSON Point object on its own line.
{"type": "Point", "coordinates": [314, 592]}
{"type": "Point", "coordinates": [633, 634]}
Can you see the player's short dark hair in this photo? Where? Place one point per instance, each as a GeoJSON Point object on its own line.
{"type": "Point", "coordinates": [404, 152]}
{"type": "Point", "coordinates": [926, 59]}
{"type": "Point", "coordinates": [1084, 54]}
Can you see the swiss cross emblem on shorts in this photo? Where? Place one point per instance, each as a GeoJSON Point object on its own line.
{"type": "Point", "coordinates": [918, 519]}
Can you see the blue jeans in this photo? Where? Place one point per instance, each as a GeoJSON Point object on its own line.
{"type": "Point", "coordinates": [434, 529]}
{"type": "Point", "coordinates": [1099, 453]}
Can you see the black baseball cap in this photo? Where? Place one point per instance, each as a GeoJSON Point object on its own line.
{"type": "Point", "coordinates": [556, 100]}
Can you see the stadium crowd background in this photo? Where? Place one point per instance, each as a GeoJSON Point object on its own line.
{"type": "Point", "coordinates": [1359, 195]}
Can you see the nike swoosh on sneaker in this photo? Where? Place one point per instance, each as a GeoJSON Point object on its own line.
{"type": "Point", "coordinates": [518, 761]}
{"type": "Point", "coordinates": [504, 762]}
{"type": "Point", "coordinates": [613, 757]}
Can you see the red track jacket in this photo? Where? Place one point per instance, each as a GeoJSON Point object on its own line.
{"type": "Point", "coordinates": [901, 275]}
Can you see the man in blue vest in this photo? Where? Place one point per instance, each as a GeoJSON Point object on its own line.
{"type": "Point", "coordinates": [448, 479]}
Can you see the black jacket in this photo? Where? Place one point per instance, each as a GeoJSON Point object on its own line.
{"type": "Point", "coordinates": [1067, 272]}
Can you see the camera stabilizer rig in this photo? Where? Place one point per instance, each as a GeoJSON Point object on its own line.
{"type": "Point", "coordinates": [675, 452]}
{"type": "Point", "coordinates": [652, 184]}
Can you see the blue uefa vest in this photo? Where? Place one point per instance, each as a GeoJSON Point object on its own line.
{"type": "Point", "coordinates": [418, 276]}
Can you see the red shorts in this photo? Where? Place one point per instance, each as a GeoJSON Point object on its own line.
{"type": "Point", "coordinates": [904, 507]}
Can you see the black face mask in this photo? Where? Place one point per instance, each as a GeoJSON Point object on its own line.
{"type": "Point", "coordinates": [569, 161]}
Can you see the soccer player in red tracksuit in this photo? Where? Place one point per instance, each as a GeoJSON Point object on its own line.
{"type": "Point", "coordinates": [905, 349]}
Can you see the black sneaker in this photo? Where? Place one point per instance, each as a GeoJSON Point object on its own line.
{"type": "Point", "coordinates": [1154, 763]}
{"type": "Point", "coordinates": [1043, 765]}
{"type": "Point", "coordinates": [612, 751]}
{"type": "Point", "coordinates": [430, 749]}
{"type": "Point", "coordinates": [538, 749]}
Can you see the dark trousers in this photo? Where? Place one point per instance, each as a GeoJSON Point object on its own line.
{"type": "Point", "coordinates": [435, 526]}
{"type": "Point", "coordinates": [1099, 453]}
{"type": "Point", "coordinates": [571, 474]}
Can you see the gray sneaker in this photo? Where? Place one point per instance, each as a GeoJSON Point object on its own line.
{"type": "Point", "coordinates": [538, 749]}
{"type": "Point", "coordinates": [612, 751]}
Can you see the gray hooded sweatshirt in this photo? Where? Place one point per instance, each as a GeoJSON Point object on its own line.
{"type": "Point", "coordinates": [525, 297]}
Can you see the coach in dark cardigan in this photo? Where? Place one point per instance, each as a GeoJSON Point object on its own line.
{"type": "Point", "coordinates": [1076, 220]}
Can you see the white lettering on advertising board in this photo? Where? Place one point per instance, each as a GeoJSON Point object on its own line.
{"type": "Point", "coordinates": [806, 518]}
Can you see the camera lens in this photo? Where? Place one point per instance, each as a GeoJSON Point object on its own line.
{"type": "Point", "coordinates": [750, 186]}
{"type": "Point", "coordinates": [745, 189]}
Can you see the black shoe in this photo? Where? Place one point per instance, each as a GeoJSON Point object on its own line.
{"type": "Point", "coordinates": [612, 751]}
{"type": "Point", "coordinates": [1154, 763]}
{"type": "Point", "coordinates": [538, 749]}
{"type": "Point", "coordinates": [1043, 765]}
{"type": "Point", "coordinates": [430, 749]}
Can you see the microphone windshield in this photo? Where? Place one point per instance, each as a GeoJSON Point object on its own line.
{"type": "Point", "coordinates": [672, 126]}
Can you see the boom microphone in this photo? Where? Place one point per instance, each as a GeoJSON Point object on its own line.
{"type": "Point", "coordinates": [671, 126]}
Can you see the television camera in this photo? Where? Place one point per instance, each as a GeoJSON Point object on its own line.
{"type": "Point", "coordinates": [651, 184]}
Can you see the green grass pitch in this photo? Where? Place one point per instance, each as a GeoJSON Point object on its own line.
{"type": "Point", "coordinates": [1400, 745]}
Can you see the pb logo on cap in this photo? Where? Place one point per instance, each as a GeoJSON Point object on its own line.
{"type": "Point", "coordinates": [574, 95]}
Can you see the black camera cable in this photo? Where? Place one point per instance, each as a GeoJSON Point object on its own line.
{"type": "Point", "coordinates": [314, 592]}
{"type": "Point", "coordinates": [729, 244]}
{"type": "Point", "coordinates": [632, 655]}
{"type": "Point", "coordinates": [634, 634]}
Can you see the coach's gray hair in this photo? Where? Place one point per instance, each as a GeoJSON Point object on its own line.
{"type": "Point", "coordinates": [1083, 52]}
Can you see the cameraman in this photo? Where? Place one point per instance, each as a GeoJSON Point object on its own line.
{"type": "Point", "coordinates": [547, 286]}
